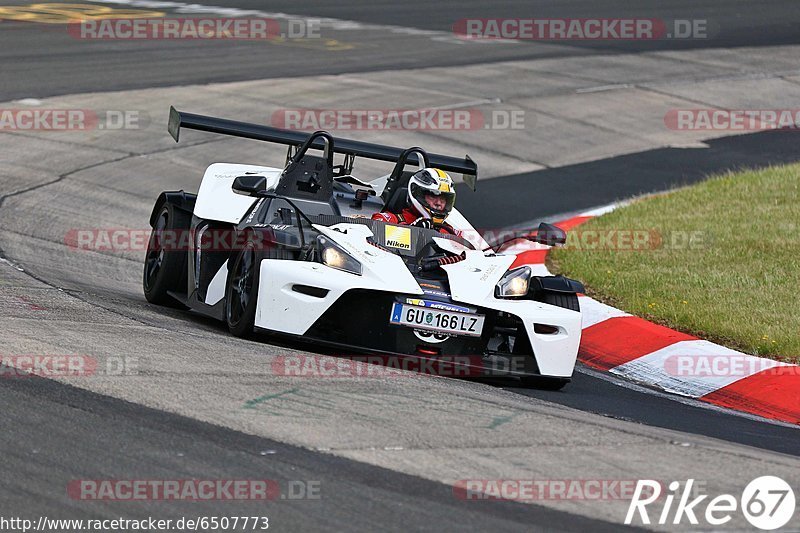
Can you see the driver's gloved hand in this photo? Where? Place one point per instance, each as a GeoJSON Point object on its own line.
{"type": "Point", "coordinates": [423, 222]}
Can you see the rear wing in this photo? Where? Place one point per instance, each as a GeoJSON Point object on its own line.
{"type": "Point", "coordinates": [348, 147]}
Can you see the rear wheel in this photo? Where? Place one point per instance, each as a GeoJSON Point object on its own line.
{"type": "Point", "coordinates": [164, 269]}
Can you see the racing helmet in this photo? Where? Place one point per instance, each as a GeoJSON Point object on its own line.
{"type": "Point", "coordinates": [431, 181]}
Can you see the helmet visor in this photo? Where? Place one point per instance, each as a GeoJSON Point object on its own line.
{"type": "Point", "coordinates": [437, 203]}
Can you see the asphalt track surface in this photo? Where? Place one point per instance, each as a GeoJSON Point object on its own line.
{"type": "Point", "coordinates": [44, 60]}
{"type": "Point", "coordinates": [61, 432]}
{"type": "Point", "coordinates": [66, 433]}
{"type": "Point", "coordinates": [611, 397]}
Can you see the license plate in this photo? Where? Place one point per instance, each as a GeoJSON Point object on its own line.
{"type": "Point", "coordinates": [435, 320]}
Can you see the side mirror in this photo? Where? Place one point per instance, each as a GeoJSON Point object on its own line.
{"type": "Point", "coordinates": [249, 185]}
{"type": "Point", "coordinates": [549, 235]}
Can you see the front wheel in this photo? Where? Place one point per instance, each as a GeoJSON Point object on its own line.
{"type": "Point", "coordinates": [242, 292]}
{"type": "Point", "coordinates": [523, 346]}
{"type": "Point", "coordinates": [244, 276]}
{"type": "Point", "coordinates": [565, 300]}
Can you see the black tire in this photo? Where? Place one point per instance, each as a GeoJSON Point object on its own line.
{"type": "Point", "coordinates": [241, 293]}
{"type": "Point", "coordinates": [165, 270]}
{"type": "Point", "coordinates": [543, 383]}
{"type": "Point", "coordinates": [567, 301]}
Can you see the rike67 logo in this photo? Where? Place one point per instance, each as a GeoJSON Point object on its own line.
{"type": "Point", "coordinates": [767, 502]}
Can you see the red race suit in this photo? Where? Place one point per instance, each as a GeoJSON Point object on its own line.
{"type": "Point", "coordinates": [408, 216]}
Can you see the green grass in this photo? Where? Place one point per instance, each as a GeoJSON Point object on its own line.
{"type": "Point", "coordinates": [736, 284]}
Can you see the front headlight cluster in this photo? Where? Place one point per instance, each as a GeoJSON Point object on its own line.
{"type": "Point", "coordinates": [514, 284]}
{"type": "Point", "coordinates": [334, 256]}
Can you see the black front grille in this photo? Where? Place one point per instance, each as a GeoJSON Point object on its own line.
{"type": "Point", "coordinates": [360, 318]}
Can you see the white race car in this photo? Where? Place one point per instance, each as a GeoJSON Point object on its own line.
{"type": "Point", "coordinates": [294, 251]}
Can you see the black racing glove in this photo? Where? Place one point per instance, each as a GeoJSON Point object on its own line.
{"type": "Point", "coordinates": [423, 222]}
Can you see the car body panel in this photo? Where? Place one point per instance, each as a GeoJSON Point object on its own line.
{"type": "Point", "coordinates": [217, 201]}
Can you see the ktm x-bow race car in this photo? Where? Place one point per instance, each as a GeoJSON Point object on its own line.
{"type": "Point", "coordinates": [300, 256]}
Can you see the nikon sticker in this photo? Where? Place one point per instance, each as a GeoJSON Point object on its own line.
{"type": "Point", "coordinates": [398, 237]}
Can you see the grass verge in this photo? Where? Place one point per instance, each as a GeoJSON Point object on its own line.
{"type": "Point", "coordinates": [719, 260]}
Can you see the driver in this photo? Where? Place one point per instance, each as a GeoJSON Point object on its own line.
{"type": "Point", "coordinates": [430, 199]}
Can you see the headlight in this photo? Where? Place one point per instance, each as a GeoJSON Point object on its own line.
{"type": "Point", "coordinates": [514, 283]}
{"type": "Point", "coordinates": [332, 255]}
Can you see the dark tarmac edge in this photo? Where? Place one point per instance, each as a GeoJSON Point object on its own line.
{"type": "Point", "coordinates": [70, 433]}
